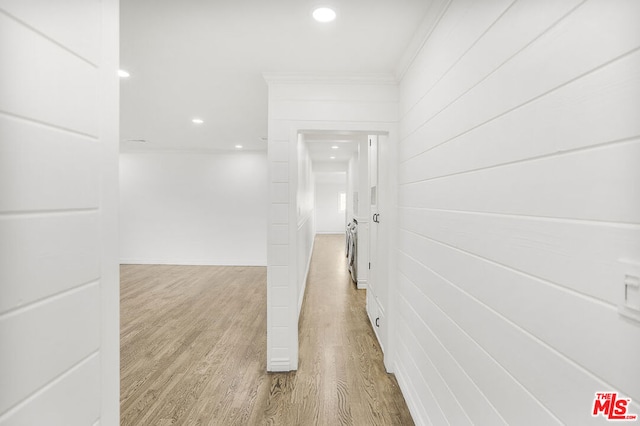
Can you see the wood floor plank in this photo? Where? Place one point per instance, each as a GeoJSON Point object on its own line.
{"type": "Point", "coordinates": [193, 349]}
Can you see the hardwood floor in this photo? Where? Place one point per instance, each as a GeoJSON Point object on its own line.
{"type": "Point", "coordinates": [193, 349]}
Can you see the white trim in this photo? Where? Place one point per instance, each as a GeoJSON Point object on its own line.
{"type": "Point", "coordinates": [362, 284]}
{"type": "Point", "coordinates": [419, 39]}
{"type": "Point", "coordinates": [150, 148]}
{"type": "Point", "coordinates": [408, 392]}
{"type": "Point", "coordinates": [306, 276]}
{"type": "Point", "coordinates": [279, 365]}
{"type": "Point", "coordinates": [194, 262]}
{"type": "Point", "coordinates": [277, 129]}
{"type": "Point", "coordinates": [337, 78]}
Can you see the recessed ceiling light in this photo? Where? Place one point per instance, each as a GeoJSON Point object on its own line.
{"type": "Point", "coordinates": [324, 14]}
{"type": "Point", "coordinates": [334, 147]}
{"type": "Point", "coordinates": [197, 121]}
{"type": "Point", "coordinates": [238, 146]}
{"type": "Point", "coordinates": [123, 74]}
{"type": "Point", "coordinates": [333, 158]}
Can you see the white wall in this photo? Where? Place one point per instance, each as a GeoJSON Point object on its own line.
{"type": "Point", "coordinates": [329, 218]}
{"type": "Point", "coordinates": [59, 291]}
{"type": "Point", "coordinates": [517, 198]}
{"type": "Point", "coordinates": [193, 208]}
{"type": "Point", "coordinates": [352, 186]}
{"type": "Point", "coordinates": [305, 230]}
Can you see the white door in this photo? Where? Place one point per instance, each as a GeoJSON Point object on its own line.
{"type": "Point", "coordinates": [373, 306]}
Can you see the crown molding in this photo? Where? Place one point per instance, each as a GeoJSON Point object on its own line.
{"type": "Point", "coordinates": [430, 21]}
{"type": "Point", "coordinates": [331, 78]}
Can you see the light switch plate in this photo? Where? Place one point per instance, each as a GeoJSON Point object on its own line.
{"type": "Point", "coordinates": [630, 305]}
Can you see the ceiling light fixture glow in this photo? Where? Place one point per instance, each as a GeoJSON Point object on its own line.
{"type": "Point", "coordinates": [334, 147]}
{"type": "Point", "coordinates": [197, 121]}
{"type": "Point", "coordinates": [333, 158]}
{"type": "Point", "coordinates": [238, 146]}
{"type": "Point", "coordinates": [123, 74]}
{"type": "Point", "coordinates": [324, 14]}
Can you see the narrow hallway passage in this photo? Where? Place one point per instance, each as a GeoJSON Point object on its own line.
{"type": "Point", "coordinates": [341, 374]}
{"type": "Point", "coordinates": [193, 349]}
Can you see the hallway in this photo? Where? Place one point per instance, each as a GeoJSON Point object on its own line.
{"type": "Point", "coordinates": [193, 349]}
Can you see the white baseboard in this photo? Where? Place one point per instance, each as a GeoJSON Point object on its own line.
{"type": "Point", "coordinates": [279, 365]}
{"type": "Point", "coordinates": [306, 275]}
{"type": "Point", "coordinates": [362, 284]}
{"type": "Point", "coordinates": [194, 262]}
{"type": "Point", "coordinates": [409, 394]}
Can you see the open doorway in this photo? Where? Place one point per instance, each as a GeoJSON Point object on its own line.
{"type": "Point", "coordinates": [340, 171]}
{"type": "Point", "coordinates": [344, 169]}
{"type": "Point", "coordinates": [332, 157]}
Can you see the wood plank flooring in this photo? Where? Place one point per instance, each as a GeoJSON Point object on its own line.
{"type": "Point", "coordinates": [193, 349]}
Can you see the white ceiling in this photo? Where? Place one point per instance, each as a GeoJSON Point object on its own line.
{"type": "Point", "coordinates": [321, 149]}
{"type": "Point", "coordinates": [205, 58]}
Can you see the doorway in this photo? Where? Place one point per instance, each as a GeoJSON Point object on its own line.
{"type": "Point", "coordinates": [358, 164]}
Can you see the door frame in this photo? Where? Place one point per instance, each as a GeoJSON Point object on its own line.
{"type": "Point", "coordinates": [389, 163]}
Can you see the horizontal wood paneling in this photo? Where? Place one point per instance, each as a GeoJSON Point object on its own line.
{"type": "Point", "coordinates": [60, 89]}
{"type": "Point", "coordinates": [497, 45]}
{"type": "Point", "coordinates": [601, 185]}
{"type": "Point", "coordinates": [304, 243]}
{"type": "Point", "coordinates": [455, 391]}
{"type": "Point", "coordinates": [429, 410]}
{"type": "Point", "coordinates": [602, 107]}
{"type": "Point", "coordinates": [581, 256]}
{"type": "Point", "coordinates": [279, 193]}
{"type": "Point", "coordinates": [463, 364]}
{"type": "Point", "coordinates": [51, 179]}
{"type": "Point", "coordinates": [279, 171]}
{"type": "Point", "coordinates": [78, 31]}
{"type": "Point", "coordinates": [279, 234]}
{"type": "Point", "coordinates": [45, 340]}
{"type": "Point", "coordinates": [70, 400]}
{"type": "Point", "coordinates": [58, 212]}
{"type": "Point", "coordinates": [521, 299]}
{"type": "Point", "coordinates": [279, 213]}
{"type": "Point", "coordinates": [594, 34]}
{"type": "Point", "coordinates": [463, 22]}
{"type": "Point", "coordinates": [539, 384]}
{"type": "Point", "coordinates": [279, 276]}
{"type": "Point", "coordinates": [517, 195]}
{"type": "Point", "coordinates": [64, 247]}
{"type": "Point", "coordinates": [278, 254]}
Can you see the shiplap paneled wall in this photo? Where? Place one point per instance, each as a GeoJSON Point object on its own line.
{"type": "Point", "coordinates": [59, 356]}
{"type": "Point", "coordinates": [298, 103]}
{"type": "Point", "coordinates": [518, 195]}
{"type": "Point", "coordinates": [306, 226]}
